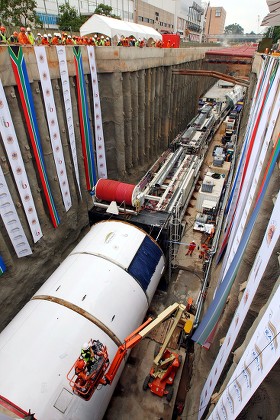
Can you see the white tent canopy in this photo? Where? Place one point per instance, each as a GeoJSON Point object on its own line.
{"type": "Point", "coordinates": [115, 27]}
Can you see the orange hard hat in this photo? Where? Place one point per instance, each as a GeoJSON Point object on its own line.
{"type": "Point", "coordinates": [2, 28]}
{"type": "Point", "coordinates": [15, 33]}
{"type": "Point", "coordinates": [22, 29]}
{"type": "Point", "coordinates": [80, 364]}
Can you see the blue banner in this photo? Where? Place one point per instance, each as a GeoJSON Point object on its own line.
{"type": "Point", "coordinates": [2, 266]}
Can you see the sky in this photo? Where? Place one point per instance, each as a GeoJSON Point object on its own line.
{"type": "Point", "coordinates": [247, 13]}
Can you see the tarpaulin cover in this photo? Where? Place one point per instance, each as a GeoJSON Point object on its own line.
{"type": "Point", "coordinates": [145, 262]}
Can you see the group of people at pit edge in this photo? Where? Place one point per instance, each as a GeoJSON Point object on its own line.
{"type": "Point", "coordinates": [26, 37]}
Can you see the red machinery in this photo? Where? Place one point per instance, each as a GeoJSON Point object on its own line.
{"type": "Point", "coordinates": [85, 377]}
{"type": "Point", "coordinates": [161, 377]}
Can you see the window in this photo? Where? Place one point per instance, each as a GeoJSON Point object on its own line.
{"type": "Point", "coordinates": [140, 18]}
{"type": "Point", "coordinates": [47, 19]}
{"type": "Point", "coordinates": [146, 20]}
{"type": "Point", "coordinates": [156, 13]}
{"type": "Point", "coordinates": [151, 21]}
{"type": "Point", "coordinates": [218, 13]}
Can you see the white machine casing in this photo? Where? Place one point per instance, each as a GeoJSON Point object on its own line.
{"type": "Point", "coordinates": [41, 344]}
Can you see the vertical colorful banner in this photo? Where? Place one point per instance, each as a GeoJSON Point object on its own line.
{"type": "Point", "coordinates": [258, 108]}
{"type": "Point", "coordinates": [17, 165]}
{"type": "Point", "coordinates": [99, 137]}
{"type": "Point", "coordinates": [11, 220]}
{"type": "Point", "coordinates": [2, 266]}
{"type": "Point", "coordinates": [262, 258]}
{"type": "Point", "coordinates": [27, 103]}
{"type": "Point", "coordinates": [217, 305]}
{"type": "Point", "coordinates": [261, 354]}
{"type": "Point", "coordinates": [86, 136]}
{"type": "Point", "coordinates": [261, 135]}
{"type": "Point", "coordinates": [64, 76]}
{"type": "Point", "coordinates": [50, 108]}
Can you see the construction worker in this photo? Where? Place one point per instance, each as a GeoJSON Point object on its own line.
{"type": "Point", "coordinates": [13, 38]}
{"type": "Point", "coordinates": [50, 39]}
{"type": "Point", "coordinates": [22, 37]}
{"type": "Point", "coordinates": [102, 41]}
{"type": "Point", "coordinates": [88, 355]}
{"type": "Point", "coordinates": [203, 251]}
{"type": "Point", "coordinates": [107, 42]}
{"type": "Point", "coordinates": [55, 40]}
{"type": "Point", "coordinates": [38, 39]}
{"type": "Point", "coordinates": [3, 39]}
{"type": "Point", "coordinates": [91, 41]}
{"type": "Point", "coordinates": [30, 36]}
{"type": "Point", "coordinates": [45, 40]}
{"type": "Point", "coordinates": [64, 38]}
{"type": "Point", "coordinates": [80, 41]}
{"type": "Point", "coordinates": [191, 248]}
{"type": "Point", "coordinates": [81, 369]}
{"type": "Point", "coordinates": [69, 40]}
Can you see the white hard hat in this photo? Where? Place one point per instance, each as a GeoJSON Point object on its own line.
{"type": "Point", "coordinates": [85, 346]}
{"type": "Point", "coordinates": [49, 35]}
{"type": "Point", "coordinates": [69, 36]}
{"type": "Point", "coordinates": [45, 36]}
{"type": "Point", "coordinates": [28, 29]}
{"type": "Point", "coordinates": [102, 36]}
{"type": "Point", "coordinates": [38, 34]}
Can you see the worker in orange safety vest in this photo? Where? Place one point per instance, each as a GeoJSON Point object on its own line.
{"type": "Point", "coordinates": [191, 248]}
{"type": "Point", "coordinates": [22, 37]}
{"type": "Point", "coordinates": [203, 251]}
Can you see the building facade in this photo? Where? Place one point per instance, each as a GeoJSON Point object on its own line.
{"type": "Point", "coordinates": [48, 10]}
{"type": "Point", "coordinates": [215, 23]}
{"type": "Point", "coordinates": [186, 17]}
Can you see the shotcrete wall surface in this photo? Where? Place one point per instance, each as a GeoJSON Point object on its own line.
{"type": "Point", "coordinates": [143, 108]}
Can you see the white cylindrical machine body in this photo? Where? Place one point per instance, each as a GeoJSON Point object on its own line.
{"type": "Point", "coordinates": [112, 275]}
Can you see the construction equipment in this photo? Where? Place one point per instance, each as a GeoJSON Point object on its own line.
{"type": "Point", "coordinates": [85, 376]}
{"type": "Point", "coordinates": [167, 362]}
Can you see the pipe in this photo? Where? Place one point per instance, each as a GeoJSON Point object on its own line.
{"type": "Point", "coordinates": [175, 197]}
{"type": "Point", "coordinates": [122, 209]}
{"type": "Point", "coordinates": [216, 74]}
{"type": "Point", "coordinates": [170, 165]}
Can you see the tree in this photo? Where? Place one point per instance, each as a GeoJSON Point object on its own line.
{"type": "Point", "coordinates": [103, 9]}
{"type": "Point", "coordinates": [274, 33]}
{"type": "Point", "coordinates": [19, 12]}
{"type": "Point", "coordinates": [69, 19]}
{"type": "Point", "coordinates": [234, 29]}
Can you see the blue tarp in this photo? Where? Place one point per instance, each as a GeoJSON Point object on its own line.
{"type": "Point", "coordinates": [2, 266]}
{"type": "Point", "coordinates": [145, 262]}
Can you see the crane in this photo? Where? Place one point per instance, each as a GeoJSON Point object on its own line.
{"type": "Point", "coordinates": [85, 378]}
